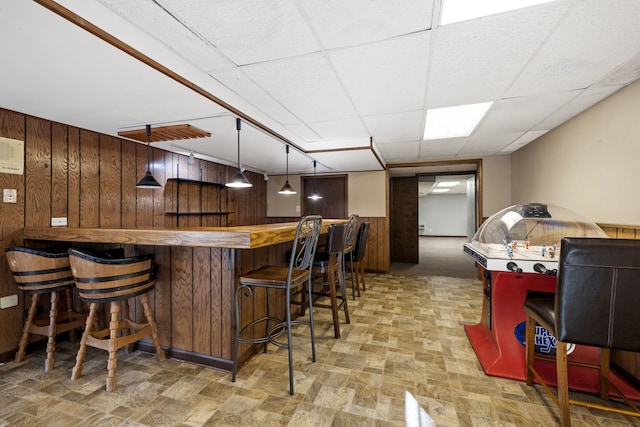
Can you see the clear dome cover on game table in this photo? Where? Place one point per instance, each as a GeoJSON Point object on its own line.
{"type": "Point", "coordinates": [534, 224]}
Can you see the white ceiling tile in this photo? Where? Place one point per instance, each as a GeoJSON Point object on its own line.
{"type": "Point", "coordinates": [623, 75]}
{"type": "Point", "coordinates": [155, 21]}
{"type": "Point", "coordinates": [306, 85]}
{"type": "Point", "coordinates": [339, 129]}
{"type": "Point", "coordinates": [385, 77]}
{"type": "Point", "coordinates": [489, 144]}
{"type": "Point", "coordinates": [405, 126]}
{"type": "Point", "coordinates": [303, 132]}
{"type": "Point", "coordinates": [236, 81]}
{"type": "Point", "coordinates": [440, 148]}
{"type": "Point", "coordinates": [341, 23]}
{"type": "Point", "coordinates": [522, 114]}
{"type": "Point", "coordinates": [400, 151]}
{"type": "Point", "coordinates": [523, 140]}
{"type": "Point", "coordinates": [250, 31]}
{"type": "Point", "coordinates": [577, 105]}
{"type": "Point", "coordinates": [582, 49]}
{"type": "Point", "coordinates": [477, 61]}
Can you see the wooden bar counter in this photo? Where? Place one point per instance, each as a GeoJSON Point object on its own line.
{"type": "Point", "coordinates": [197, 276]}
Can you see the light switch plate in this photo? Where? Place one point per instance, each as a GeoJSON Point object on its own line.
{"type": "Point", "coordinates": [57, 222]}
{"type": "Point", "coordinates": [9, 301]}
{"type": "Point", "coordinates": [9, 195]}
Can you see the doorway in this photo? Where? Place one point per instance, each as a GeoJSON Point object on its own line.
{"type": "Point", "coordinates": [443, 222]}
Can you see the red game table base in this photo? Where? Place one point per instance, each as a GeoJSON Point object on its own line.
{"type": "Point", "coordinates": [498, 340]}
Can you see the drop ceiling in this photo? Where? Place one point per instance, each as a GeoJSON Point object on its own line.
{"type": "Point", "coordinates": [346, 83]}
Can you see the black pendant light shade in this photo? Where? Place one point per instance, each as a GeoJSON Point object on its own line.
{"type": "Point", "coordinates": [287, 188]}
{"type": "Point", "coordinates": [238, 180]}
{"type": "Point", "coordinates": [315, 195]}
{"type": "Point", "coordinates": [148, 181]}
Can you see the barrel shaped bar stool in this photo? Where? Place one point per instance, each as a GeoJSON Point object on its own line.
{"type": "Point", "coordinates": [115, 281]}
{"type": "Point", "coordinates": [38, 272]}
{"type": "Point", "coordinates": [287, 279]}
{"type": "Point", "coordinates": [328, 280]}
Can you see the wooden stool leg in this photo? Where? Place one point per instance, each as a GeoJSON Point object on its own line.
{"type": "Point", "coordinates": [51, 332]}
{"type": "Point", "coordinates": [357, 272]}
{"type": "Point", "coordinates": [605, 362]}
{"type": "Point", "coordinates": [331, 280]}
{"type": "Point", "coordinates": [563, 383]}
{"type": "Point", "coordinates": [112, 362]}
{"type": "Point", "coordinates": [361, 268]}
{"type": "Point", "coordinates": [82, 351]}
{"type": "Point", "coordinates": [126, 317]}
{"type": "Point", "coordinates": [27, 326]}
{"type": "Point", "coordinates": [343, 292]}
{"type": "Point", "coordinates": [70, 313]}
{"type": "Point", "coordinates": [530, 333]}
{"type": "Point", "coordinates": [154, 330]}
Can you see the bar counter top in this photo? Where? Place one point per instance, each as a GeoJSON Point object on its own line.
{"type": "Point", "coordinates": [241, 237]}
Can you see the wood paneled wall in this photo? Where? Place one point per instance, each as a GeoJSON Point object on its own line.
{"type": "Point", "coordinates": [376, 259]}
{"type": "Point", "coordinates": [90, 179]}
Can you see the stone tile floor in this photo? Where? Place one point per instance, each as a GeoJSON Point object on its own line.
{"type": "Point", "coordinates": [406, 333]}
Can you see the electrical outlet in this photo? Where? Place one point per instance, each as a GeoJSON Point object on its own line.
{"type": "Point", "coordinates": [9, 195]}
{"type": "Point", "coordinates": [57, 222]}
{"type": "Point", "coordinates": [9, 301]}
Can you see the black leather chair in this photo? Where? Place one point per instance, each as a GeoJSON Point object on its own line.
{"type": "Point", "coordinates": [595, 304]}
{"type": "Point", "coordinates": [284, 278]}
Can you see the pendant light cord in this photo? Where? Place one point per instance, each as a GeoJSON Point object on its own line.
{"type": "Point", "coordinates": [148, 128]}
{"type": "Point", "coordinates": [238, 128]}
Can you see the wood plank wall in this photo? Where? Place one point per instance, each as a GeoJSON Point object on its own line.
{"type": "Point", "coordinates": [90, 179]}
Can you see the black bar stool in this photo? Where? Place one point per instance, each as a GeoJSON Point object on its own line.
{"type": "Point", "coordinates": [38, 272]}
{"type": "Point", "coordinates": [285, 278]}
{"type": "Point", "coordinates": [358, 255]}
{"type": "Point", "coordinates": [352, 226]}
{"type": "Point", "coordinates": [328, 267]}
{"type": "Point", "coordinates": [115, 281]}
{"type": "Point", "coordinates": [596, 304]}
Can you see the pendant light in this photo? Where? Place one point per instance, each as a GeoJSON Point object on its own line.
{"type": "Point", "coordinates": [238, 180]}
{"type": "Point", "coordinates": [148, 181]}
{"type": "Point", "coordinates": [315, 195]}
{"type": "Point", "coordinates": [287, 188]}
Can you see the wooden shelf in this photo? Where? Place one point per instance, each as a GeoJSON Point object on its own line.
{"type": "Point", "coordinates": [200, 184]}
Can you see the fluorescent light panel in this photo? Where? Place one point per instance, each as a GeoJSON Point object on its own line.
{"type": "Point", "coordinates": [440, 190]}
{"type": "Point", "coordinates": [454, 122]}
{"type": "Point", "coordinates": [447, 183]}
{"type": "Point", "coordinates": [462, 10]}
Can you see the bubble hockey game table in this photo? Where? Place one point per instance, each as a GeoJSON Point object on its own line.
{"type": "Point", "coordinates": [517, 252]}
